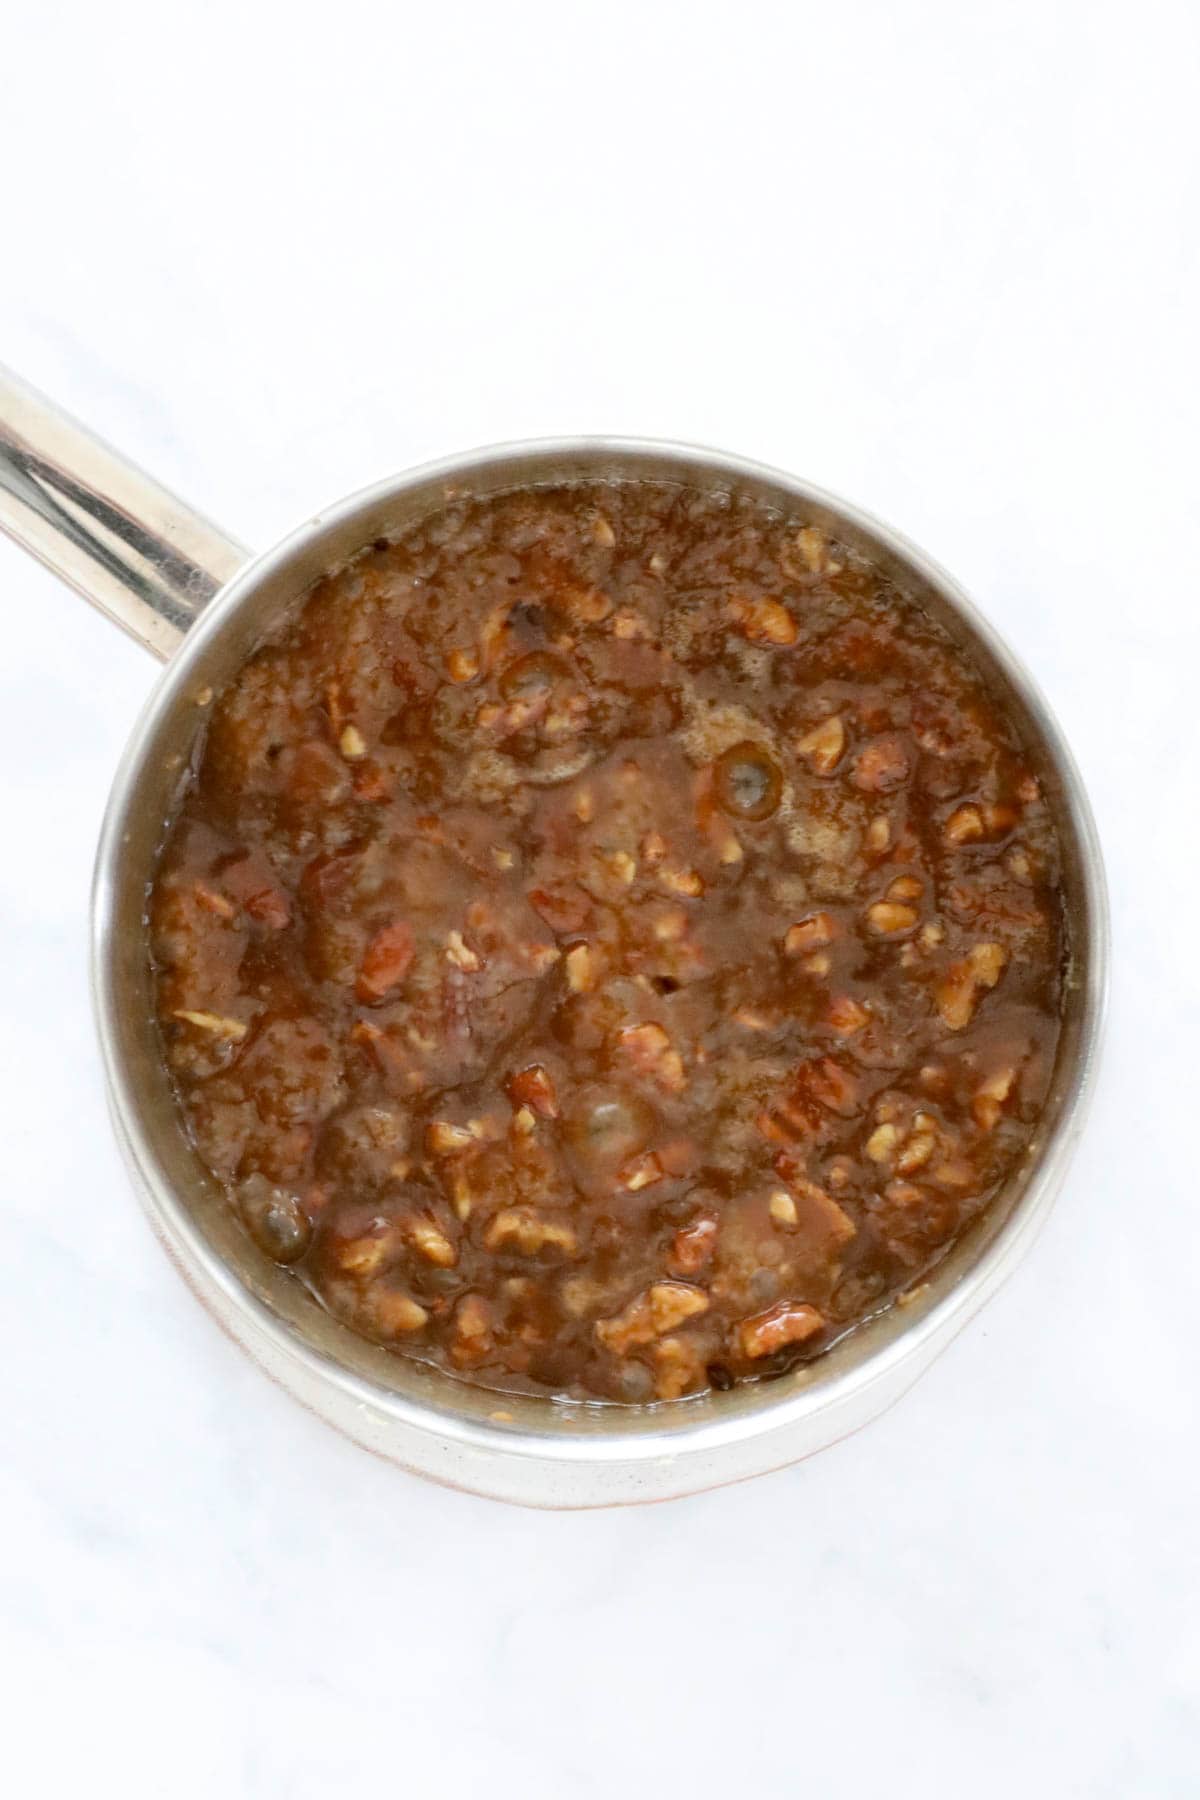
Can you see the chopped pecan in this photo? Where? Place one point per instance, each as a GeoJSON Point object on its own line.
{"type": "Point", "coordinates": [394, 1312]}
{"type": "Point", "coordinates": [578, 964]}
{"type": "Point", "coordinates": [782, 1207]}
{"type": "Point", "coordinates": [525, 1231]}
{"type": "Point", "coordinates": [881, 765]}
{"type": "Point", "coordinates": [533, 1088]}
{"type": "Point", "coordinates": [233, 1029]}
{"type": "Point", "coordinates": [659, 1310]}
{"type": "Point", "coordinates": [823, 745]}
{"type": "Point", "coordinates": [964, 826]}
{"type": "Point", "coordinates": [431, 1243]}
{"type": "Point", "coordinates": [958, 993]}
{"type": "Point", "coordinates": [763, 621]}
{"type": "Point", "coordinates": [461, 955]}
{"type": "Point", "coordinates": [693, 1245]}
{"type": "Point", "coordinates": [787, 1322]}
{"type": "Point", "coordinates": [650, 1050]}
{"type": "Point", "coordinates": [641, 1172]}
{"type": "Point", "coordinates": [808, 934]}
{"type": "Point", "coordinates": [444, 1139]}
{"type": "Point", "coordinates": [990, 1097]}
{"type": "Point", "coordinates": [679, 1368]}
{"type": "Point", "coordinates": [681, 881]}
{"type": "Point", "coordinates": [214, 902]}
{"type": "Point", "coordinates": [889, 917]}
{"type": "Point", "coordinates": [386, 961]}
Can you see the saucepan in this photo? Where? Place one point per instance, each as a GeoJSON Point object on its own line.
{"type": "Point", "coordinates": [201, 603]}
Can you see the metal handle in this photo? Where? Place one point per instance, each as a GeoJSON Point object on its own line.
{"type": "Point", "coordinates": [136, 552]}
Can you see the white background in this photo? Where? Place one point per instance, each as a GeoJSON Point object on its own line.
{"type": "Point", "coordinates": [939, 256]}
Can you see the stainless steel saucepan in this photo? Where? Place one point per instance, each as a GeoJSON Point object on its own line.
{"type": "Point", "coordinates": [201, 603]}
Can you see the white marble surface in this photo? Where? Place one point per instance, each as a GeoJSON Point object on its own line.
{"type": "Point", "coordinates": [942, 258]}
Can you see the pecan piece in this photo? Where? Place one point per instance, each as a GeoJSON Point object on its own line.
{"type": "Point", "coordinates": [882, 765]}
{"type": "Point", "coordinates": [386, 961]}
{"type": "Point", "coordinates": [693, 1245]}
{"type": "Point", "coordinates": [533, 1088]}
{"type": "Point", "coordinates": [233, 1029]}
{"type": "Point", "coordinates": [823, 745]}
{"type": "Point", "coordinates": [807, 934]}
{"type": "Point", "coordinates": [763, 621]}
{"type": "Point", "coordinates": [787, 1322]}
{"type": "Point", "coordinates": [521, 1229]}
{"type": "Point", "coordinates": [659, 1310]}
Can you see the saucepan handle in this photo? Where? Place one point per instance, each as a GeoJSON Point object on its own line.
{"type": "Point", "coordinates": [136, 552]}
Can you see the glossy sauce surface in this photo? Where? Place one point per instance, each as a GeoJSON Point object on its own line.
{"type": "Point", "coordinates": [610, 943]}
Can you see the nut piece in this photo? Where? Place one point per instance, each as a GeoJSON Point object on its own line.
{"type": "Point", "coordinates": [432, 1244]}
{"type": "Point", "coordinates": [659, 1310]}
{"type": "Point", "coordinates": [472, 1330]}
{"type": "Point", "coordinates": [823, 745]}
{"type": "Point", "coordinates": [887, 917]}
{"type": "Point", "coordinates": [533, 1088]}
{"type": "Point", "coordinates": [808, 934]}
{"type": "Point", "coordinates": [462, 665]}
{"type": "Point", "coordinates": [352, 743]}
{"type": "Point", "coordinates": [957, 995]}
{"type": "Point", "coordinates": [990, 1097]}
{"type": "Point", "coordinates": [444, 1139]}
{"type": "Point", "coordinates": [763, 621]}
{"type": "Point", "coordinates": [641, 1172]}
{"type": "Point", "coordinates": [882, 1142]}
{"type": "Point", "coordinates": [364, 1256]}
{"type": "Point", "coordinates": [812, 549]}
{"type": "Point", "coordinates": [578, 964]}
{"type": "Point", "coordinates": [233, 1029]}
{"type": "Point", "coordinates": [622, 866]}
{"type": "Point", "coordinates": [693, 1245]}
{"type": "Point", "coordinates": [987, 963]}
{"type": "Point", "coordinates": [879, 832]}
{"type": "Point", "coordinates": [964, 826]}
{"type": "Point", "coordinates": [680, 1367]}
{"type": "Point", "coordinates": [670, 926]}
{"type": "Point", "coordinates": [919, 1146]}
{"type": "Point", "coordinates": [906, 887]}
{"type": "Point", "coordinates": [461, 955]}
{"type": "Point", "coordinates": [671, 1302]}
{"type": "Point", "coordinates": [385, 962]}
{"type": "Point", "coordinates": [213, 902]}
{"type": "Point", "coordinates": [847, 1015]}
{"type": "Point", "coordinates": [882, 765]}
{"type": "Point", "coordinates": [522, 1229]}
{"type": "Point", "coordinates": [681, 881]}
{"type": "Point", "coordinates": [649, 1049]}
{"type": "Point", "coordinates": [787, 1322]}
{"type": "Point", "coordinates": [397, 1312]}
{"type": "Point", "coordinates": [782, 1207]}
{"type": "Point", "coordinates": [603, 532]}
